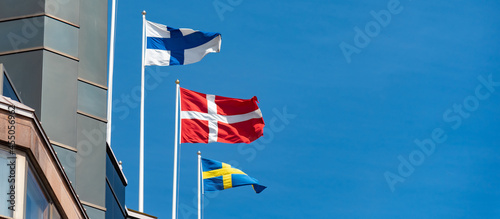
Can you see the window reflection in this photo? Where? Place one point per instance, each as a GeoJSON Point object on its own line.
{"type": "Point", "coordinates": [8, 90]}
{"type": "Point", "coordinates": [4, 184]}
{"type": "Point", "coordinates": [37, 205]}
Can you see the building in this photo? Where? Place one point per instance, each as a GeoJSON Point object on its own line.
{"type": "Point", "coordinates": [56, 55]}
{"type": "Point", "coordinates": [34, 184]}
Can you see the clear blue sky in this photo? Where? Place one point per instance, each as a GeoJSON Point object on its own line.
{"type": "Point", "coordinates": [346, 148]}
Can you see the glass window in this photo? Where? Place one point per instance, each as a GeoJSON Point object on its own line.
{"type": "Point", "coordinates": [4, 184]}
{"type": "Point", "coordinates": [37, 205]}
{"type": "Point", "coordinates": [8, 90]}
{"type": "Point", "coordinates": [114, 179]}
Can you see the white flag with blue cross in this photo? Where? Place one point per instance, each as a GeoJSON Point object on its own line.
{"type": "Point", "coordinates": [170, 46]}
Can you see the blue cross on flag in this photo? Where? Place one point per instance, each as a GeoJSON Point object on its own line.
{"type": "Point", "coordinates": [171, 46]}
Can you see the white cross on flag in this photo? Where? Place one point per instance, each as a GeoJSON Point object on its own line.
{"type": "Point", "coordinates": [207, 118]}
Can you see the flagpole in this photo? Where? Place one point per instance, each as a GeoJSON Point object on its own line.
{"type": "Point", "coordinates": [176, 139]}
{"type": "Point", "coordinates": [110, 71]}
{"type": "Point", "coordinates": [141, 151]}
{"type": "Point", "coordinates": [199, 185]}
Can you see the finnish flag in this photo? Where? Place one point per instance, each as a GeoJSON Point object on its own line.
{"type": "Point", "coordinates": [170, 46]}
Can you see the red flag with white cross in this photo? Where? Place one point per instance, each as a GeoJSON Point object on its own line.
{"type": "Point", "coordinates": [207, 118]}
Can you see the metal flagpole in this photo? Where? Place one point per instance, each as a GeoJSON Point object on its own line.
{"type": "Point", "coordinates": [141, 151]}
{"type": "Point", "coordinates": [176, 139]}
{"type": "Point", "coordinates": [110, 71]}
{"type": "Point", "coordinates": [199, 185]}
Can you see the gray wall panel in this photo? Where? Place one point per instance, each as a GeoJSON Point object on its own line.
{"type": "Point", "coordinates": [68, 161]}
{"type": "Point", "coordinates": [93, 41]}
{"type": "Point", "coordinates": [58, 95]}
{"type": "Point", "coordinates": [64, 9]}
{"type": "Point", "coordinates": [61, 37]}
{"type": "Point", "coordinates": [21, 34]}
{"type": "Point", "coordinates": [92, 99]}
{"type": "Point", "coordinates": [91, 160]}
{"type": "Point", "coordinates": [25, 71]}
{"type": "Point", "coordinates": [16, 8]}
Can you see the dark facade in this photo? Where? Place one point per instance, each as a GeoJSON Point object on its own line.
{"type": "Point", "coordinates": [115, 188]}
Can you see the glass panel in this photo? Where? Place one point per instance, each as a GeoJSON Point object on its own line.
{"type": "Point", "coordinates": [91, 160]}
{"type": "Point", "coordinates": [21, 34]}
{"type": "Point", "coordinates": [19, 73]}
{"type": "Point", "coordinates": [93, 41]}
{"type": "Point", "coordinates": [61, 37]}
{"type": "Point", "coordinates": [9, 9]}
{"type": "Point", "coordinates": [8, 90]}
{"type": "Point", "coordinates": [4, 184]}
{"type": "Point", "coordinates": [37, 205]}
{"type": "Point", "coordinates": [92, 99]}
{"type": "Point", "coordinates": [58, 98]}
{"type": "Point", "coordinates": [68, 161]}
{"type": "Point", "coordinates": [116, 183]}
{"type": "Point", "coordinates": [112, 208]}
{"type": "Point", "coordinates": [64, 9]}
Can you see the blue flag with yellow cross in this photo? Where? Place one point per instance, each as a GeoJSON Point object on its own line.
{"type": "Point", "coordinates": [221, 176]}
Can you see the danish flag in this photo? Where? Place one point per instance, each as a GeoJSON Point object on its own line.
{"type": "Point", "coordinates": [207, 118]}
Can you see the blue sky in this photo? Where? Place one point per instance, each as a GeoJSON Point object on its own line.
{"type": "Point", "coordinates": [341, 125]}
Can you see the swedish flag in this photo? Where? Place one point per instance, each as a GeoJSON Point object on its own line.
{"type": "Point", "coordinates": [220, 176]}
